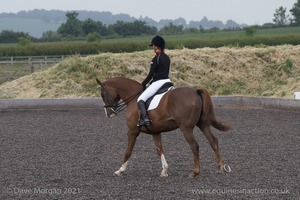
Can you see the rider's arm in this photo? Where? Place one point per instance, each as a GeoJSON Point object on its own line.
{"type": "Point", "coordinates": [151, 72]}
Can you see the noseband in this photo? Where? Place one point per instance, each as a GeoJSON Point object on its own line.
{"type": "Point", "coordinates": [120, 106]}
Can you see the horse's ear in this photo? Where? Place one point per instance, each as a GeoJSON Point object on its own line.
{"type": "Point", "coordinates": [99, 82]}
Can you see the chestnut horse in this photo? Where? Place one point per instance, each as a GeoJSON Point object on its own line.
{"type": "Point", "coordinates": [182, 108]}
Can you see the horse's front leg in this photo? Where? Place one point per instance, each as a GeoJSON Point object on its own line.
{"type": "Point", "coordinates": [131, 141]}
{"type": "Point", "coordinates": [160, 152]}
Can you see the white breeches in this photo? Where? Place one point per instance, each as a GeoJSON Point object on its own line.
{"type": "Point", "coordinates": [152, 89]}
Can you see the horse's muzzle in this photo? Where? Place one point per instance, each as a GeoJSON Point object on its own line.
{"type": "Point", "coordinates": [112, 115]}
{"type": "Point", "coordinates": [110, 112]}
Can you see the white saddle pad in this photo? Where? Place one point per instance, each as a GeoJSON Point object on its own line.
{"type": "Point", "coordinates": [155, 101]}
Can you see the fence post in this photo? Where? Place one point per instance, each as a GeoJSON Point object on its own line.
{"type": "Point", "coordinates": [31, 65]}
{"type": "Point", "coordinates": [11, 60]}
{"type": "Point", "coordinates": [31, 69]}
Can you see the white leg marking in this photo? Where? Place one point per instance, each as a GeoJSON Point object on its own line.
{"type": "Point", "coordinates": [105, 109]}
{"type": "Point", "coordinates": [164, 172]}
{"type": "Point", "coordinates": [122, 169]}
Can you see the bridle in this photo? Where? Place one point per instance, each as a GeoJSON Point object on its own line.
{"type": "Point", "coordinates": [121, 105]}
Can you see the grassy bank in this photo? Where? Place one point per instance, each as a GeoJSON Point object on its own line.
{"type": "Point", "coordinates": [268, 71]}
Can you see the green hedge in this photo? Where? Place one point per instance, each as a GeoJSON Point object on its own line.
{"type": "Point", "coordinates": [41, 49]}
{"type": "Point", "coordinates": [237, 41]}
{"type": "Point", "coordinates": [140, 44]}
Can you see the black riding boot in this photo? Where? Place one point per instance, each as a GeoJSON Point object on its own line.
{"type": "Point", "coordinates": [144, 119]}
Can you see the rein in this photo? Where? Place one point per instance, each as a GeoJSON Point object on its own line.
{"type": "Point", "coordinates": [120, 106]}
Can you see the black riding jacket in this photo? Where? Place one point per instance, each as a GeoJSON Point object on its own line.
{"type": "Point", "coordinates": [160, 67]}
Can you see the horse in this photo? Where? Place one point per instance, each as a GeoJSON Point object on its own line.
{"type": "Point", "coordinates": [182, 108]}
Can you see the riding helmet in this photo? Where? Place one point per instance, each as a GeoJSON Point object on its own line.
{"type": "Point", "coordinates": [158, 41]}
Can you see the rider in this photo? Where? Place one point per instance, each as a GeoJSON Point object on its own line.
{"type": "Point", "coordinates": [158, 75]}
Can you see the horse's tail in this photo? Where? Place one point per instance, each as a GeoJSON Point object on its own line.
{"type": "Point", "coordinates": [208, 111]}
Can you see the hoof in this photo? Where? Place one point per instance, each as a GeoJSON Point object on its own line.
{"type": "Point", "coordinates": [226, 168]}
{"type": "Point", "coordinates": [164, 172]}
{"type": "Point", "coordinates": [164, 175]}
{"type": "Point", "coordinates": [193, 175]}
{"type": "Point", "coordinates": [117, 173]}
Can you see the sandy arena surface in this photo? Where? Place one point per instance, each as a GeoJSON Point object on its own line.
{"type": "Point", "coordinates": [72, 154]}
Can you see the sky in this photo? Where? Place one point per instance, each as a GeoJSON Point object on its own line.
{"type": "Point", "coordinates": [254, 12]}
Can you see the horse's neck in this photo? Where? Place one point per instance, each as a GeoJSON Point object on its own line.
{"type": "Point", "coordinates": [128, 90]}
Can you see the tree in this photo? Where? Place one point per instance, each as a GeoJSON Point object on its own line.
{"type": "Point", "coordinates": [93, 37]}
{"type": "Point", "coordinates": [23, 41]}
{"type": "Point", "coordinates": [135, 28]}
{"type": "Point", "coordinates": [7, 36]}
{"type": "Point", "coordinates": [251, 30]}
{"type": "Point", "coordinates": [295, 11]}
{"type": "Point", "coordinates": [91, 26]}
{"type": "Point", "coordinates": [280, 19]}
{"type": "Point", "coordinates": [50, 36]}
{"type": "Point", "coordinates": [171, 29]}
{"type": "Point", "coordinates": [72, 27]}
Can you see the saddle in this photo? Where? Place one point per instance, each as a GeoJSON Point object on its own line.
{"type": "Point", "coordinates": [163, 89]}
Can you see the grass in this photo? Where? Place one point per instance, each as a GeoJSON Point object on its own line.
{"type": "Point", "coordinates": [286, 66]}
{"type": "Point", "coordinates": [262, 38]}
{"type": "Point", "coordinates": [263, 71]}
{"type": "Point", "coordinates": [235, 34]}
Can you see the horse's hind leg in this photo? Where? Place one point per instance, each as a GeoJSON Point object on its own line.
{"type": "Point", "coordinates": [189, 137]}
{"type": "Point", "coordinates": [131, 141]}
{"type": "Point", "coordinates": [160, 152]}
{"type": "Point", "coordinates": [213, 141]}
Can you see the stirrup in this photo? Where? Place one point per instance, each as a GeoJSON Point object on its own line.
{"type": "Point", "coordinates": [143, 122]}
